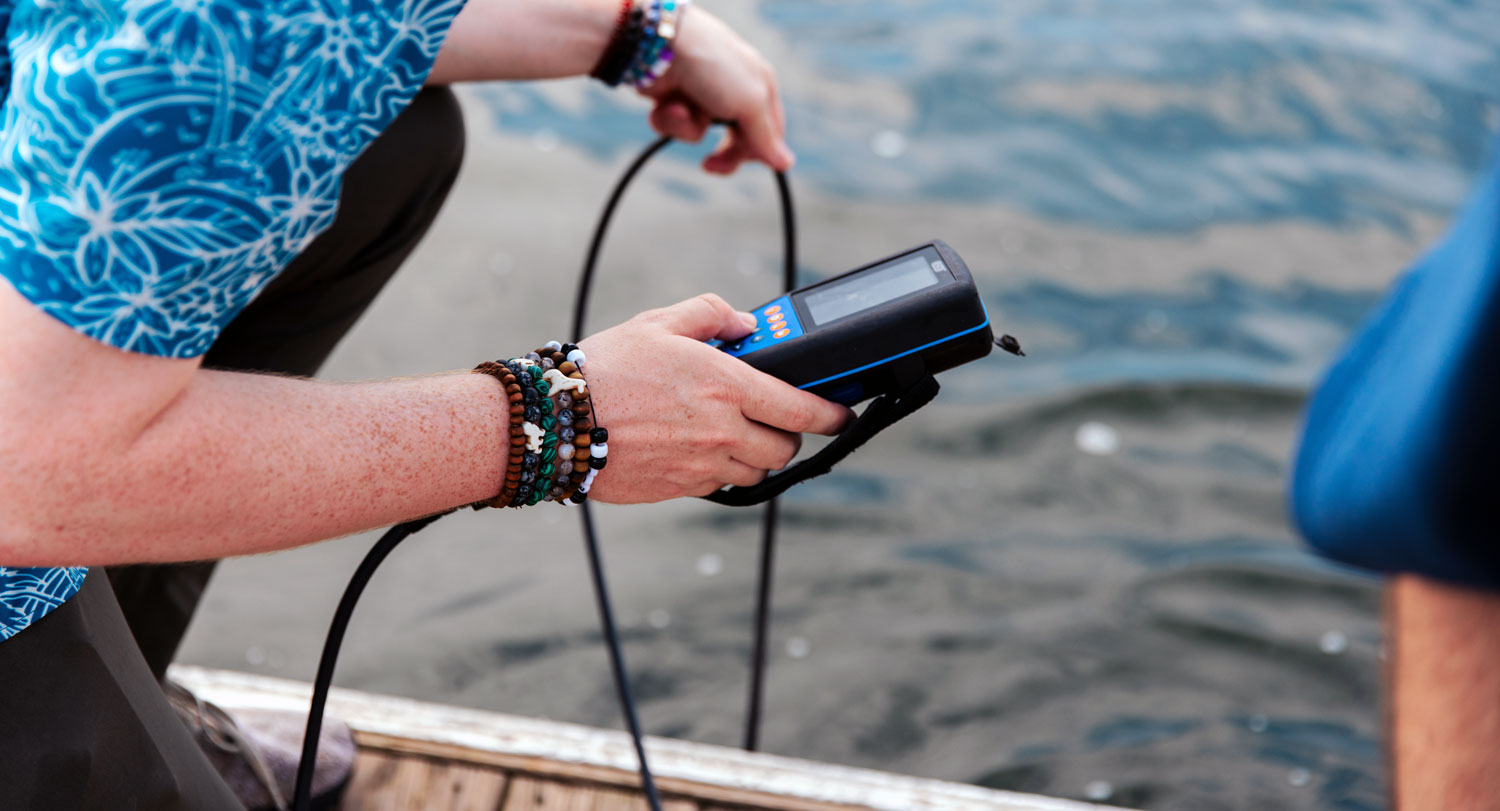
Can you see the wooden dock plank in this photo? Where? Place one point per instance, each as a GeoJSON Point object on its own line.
{"type": "Point", "coordinates": [493, 744]}
{"type": "Point", "coordinates": [386, 782]}
{"type": "Point", "coordinates": [569, 771]}
{"type": "Point", "coordinates": [529, 793]}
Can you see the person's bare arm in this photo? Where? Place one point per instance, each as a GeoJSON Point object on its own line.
{"type": "Point", "coordinates": [110, 457]}
{"type": "Point", "coordinates": [1445, 696]}
{"type": "Point", "coordinates": [517, 39]}
{"type": "Point", "coordinates": [116, 457]}
{"type": "Point", "coordinates": [716, 75]}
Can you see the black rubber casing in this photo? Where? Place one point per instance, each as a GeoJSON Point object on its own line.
{"type": "Point", "coordinates": [949, 316]}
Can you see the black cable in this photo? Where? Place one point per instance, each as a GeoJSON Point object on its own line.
{"type": "Point", "coordinates": [303, 793]}
{"type": "Point", "coordinates": [586, 278]}
{"type": "Point", "coordinates": [765, 577]}
{"type": "Point", "coordinates": [590, 539]}
{"type": "Point", "coordinates": [617, 658]}
{"type": "Point", "coordinates": [302, 796]}
{"type": "Point", "coordinates": [762, 624]}
{"type": "Point", "coordinates": [768, 522]}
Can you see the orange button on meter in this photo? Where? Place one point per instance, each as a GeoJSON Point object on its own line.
{"type": "Point", "coordinates": [773, 309]}
{"type": "Point", "coordinates": [781, 333]}
{"type": "Point", "coordinates": [775, 317]}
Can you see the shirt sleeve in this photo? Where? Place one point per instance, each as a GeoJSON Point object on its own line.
{"type": "Point", "coordinates": [161, 161]}
{"type": "Point", "coordinates": [1396, 468]}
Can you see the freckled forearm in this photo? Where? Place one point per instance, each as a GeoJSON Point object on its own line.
{"type": "Point", "coordinates": [242, 463]}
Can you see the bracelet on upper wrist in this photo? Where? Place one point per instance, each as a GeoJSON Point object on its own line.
{"type": "Point", "coordinates": [640, 50]}
{"type": "Point", "coordinates": [629, 28]}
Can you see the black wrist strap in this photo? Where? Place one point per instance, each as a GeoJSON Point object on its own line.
{"type": "Point", "coordinates": [887, 410]}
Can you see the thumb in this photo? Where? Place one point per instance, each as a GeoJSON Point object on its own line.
{"type": "Point", "coordinates": [706, 316]}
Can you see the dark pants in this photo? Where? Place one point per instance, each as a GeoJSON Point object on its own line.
{"type": "Point", "coordinates": [82, 721]}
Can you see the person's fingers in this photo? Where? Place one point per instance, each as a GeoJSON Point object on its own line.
{"type": "Point", "coordinates": [703, 317]}
{"type": "Point", "coordinates": [739, 473]}
{"type": "Point", "coordinates": [739, 146]}
{"type": "Point", "coordinates": [675, 117]}
{"type": "Point", "coordinates": [781, 405]}
{"type": "Point", "coordinates": [763, 138]}
{"type": "Point", "coordinates": [669, 118]}
{"type": "Point", "coordinates": [701, 119]}
{"type": "Point", "coordinates": [731, 152]}
{"type": "Point", "coordinates": [768, 448]}
{"type": "Point", "coordinates": [778, 111]}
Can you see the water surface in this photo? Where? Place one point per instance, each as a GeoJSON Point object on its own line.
{"type": "Point", "coordinates": [1073, 573]}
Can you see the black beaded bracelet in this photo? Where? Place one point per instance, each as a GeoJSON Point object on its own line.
{"type": "Point", "coordinates": [531, 414]}
{"type": "Point", "coordinates": [622, 48]}
{"type": "Point", "coordinates": [573, 411]}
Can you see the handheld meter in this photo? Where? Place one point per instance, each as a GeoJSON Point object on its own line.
{"type": "Point", "coordinates": [874, 329]}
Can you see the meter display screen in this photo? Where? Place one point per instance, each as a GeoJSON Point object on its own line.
{"type": "Point", "coordinates": [870, 289]}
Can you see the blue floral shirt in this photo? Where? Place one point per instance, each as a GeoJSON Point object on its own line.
{"type": "Point", "coordinates": [162, 160]}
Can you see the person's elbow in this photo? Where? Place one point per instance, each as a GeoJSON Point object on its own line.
{"type": "Point", "coordinates": [71, 412]}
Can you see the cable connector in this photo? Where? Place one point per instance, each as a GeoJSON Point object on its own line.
{"type": "Point", "coordinates": [1010, 344]}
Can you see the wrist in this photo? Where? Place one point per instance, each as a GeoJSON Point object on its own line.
{"type": "Point", "coordinates": [554, 444]}
{"type": "Point", "coordinates": [484, 415]}
{"type": "Point", "coordinates": [598, 24]}
{"type": "Point", "coordinates": [641, 48]}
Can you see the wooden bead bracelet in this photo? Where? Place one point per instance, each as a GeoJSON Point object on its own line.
{"type": "Point", "coordinates": [555, 447]}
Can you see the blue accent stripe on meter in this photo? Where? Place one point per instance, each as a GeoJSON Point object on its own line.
{"type": "Point", "coordinates": [900, 354]}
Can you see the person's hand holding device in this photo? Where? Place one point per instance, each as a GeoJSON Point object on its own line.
{"type": "Point", "coordinates": [685, 418]}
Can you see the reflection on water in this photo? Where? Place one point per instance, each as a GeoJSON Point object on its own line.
{"type": "Point", "coordinates": [1166, 113]}
{"type": "Point", "coordinates": [1155, 114]}
{"type": "Point", "coordinates": [1073, 573]}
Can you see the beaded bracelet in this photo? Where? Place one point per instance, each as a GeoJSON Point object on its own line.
{"type": "Point", "coordinates": [523, 432]}
{"type": "Point", "coordinates": [654, 53]}
{"type": "Point", "coordinates": [565, 394]}
{"type": "Point", "coordinates": [545, 448]}
{"type": "Point", "coordinates": [650, 45]}
{"type": "Point", "coordinates": [514, 438]}
{"type": "Point", "coordinates": [581, 442]}
{"type": "Point", "coordinates": [555, 449]}
{"type": "Point", "coordinates": [529, 430]}
{"type": "Point", "coordinates": [623, 43]}
{"type": "Point", "coordinates": [640, 49]}
{"type": "Point", "coordinates": [538, 427]}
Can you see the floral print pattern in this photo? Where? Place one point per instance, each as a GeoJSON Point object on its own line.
{"type": "Point", "coordinates": [162, 160]}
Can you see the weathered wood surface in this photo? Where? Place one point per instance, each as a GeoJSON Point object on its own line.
{"type": "Point", "coordinates": [433, 756]}
{"type": "Point", "coordinates": [591, 774]}
{"type": "Point", "coordinates": [535, 794]}
{"type": "Point", "coordinates": [390, 782]}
